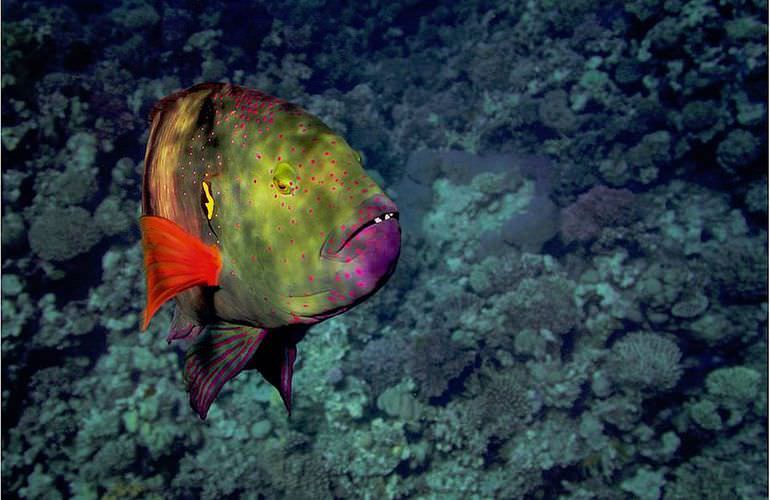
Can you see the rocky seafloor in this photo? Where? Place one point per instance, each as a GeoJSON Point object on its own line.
{"type": "Point", "coordinates": [580, 307]}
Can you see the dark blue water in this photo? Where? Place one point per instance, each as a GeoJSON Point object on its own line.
{"type": "Point", "coordinates": [580, 306]}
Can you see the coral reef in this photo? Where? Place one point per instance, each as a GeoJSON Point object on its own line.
{"type": "Point", "coordinates": [625, 358]}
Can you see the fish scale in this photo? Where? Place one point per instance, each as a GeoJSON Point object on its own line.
{"type": "Point", "coordinates": [276, 226]}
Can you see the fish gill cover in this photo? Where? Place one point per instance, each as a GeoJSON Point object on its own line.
{"type": "Point", "coordinates": [580, 304]}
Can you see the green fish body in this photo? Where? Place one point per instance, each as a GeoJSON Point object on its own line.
{"type": "Point", "coordinates": [259, 221]}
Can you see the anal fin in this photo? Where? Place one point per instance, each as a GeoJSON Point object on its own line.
{"type": "Point", "coordinates": [275, 360]}
{"type": "Point", "coordinates": [220, 353]}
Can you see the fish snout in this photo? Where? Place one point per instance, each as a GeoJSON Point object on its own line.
{"type": "Point", "coordinates": [373, 226]}
{"type": "Point", "coordinates": [361, 253]}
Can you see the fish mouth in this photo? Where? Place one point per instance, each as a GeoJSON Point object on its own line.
{"type": "Point", "coordinates": [377, 211]}
{"type": "Point", "coordinates": [359, 228]}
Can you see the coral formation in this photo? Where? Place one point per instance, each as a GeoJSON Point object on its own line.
{"type": "Point", "coordinates": [61, 234]}
{"type": "Point", "coordinates": [435, 361]}
{"type": "Point", "coordinates": [646, 361]}
{"type": "Point", "coordinates": [598, 208]}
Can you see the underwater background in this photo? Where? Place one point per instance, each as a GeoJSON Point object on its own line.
{"type": "Point", "coordinates": [580, 306]}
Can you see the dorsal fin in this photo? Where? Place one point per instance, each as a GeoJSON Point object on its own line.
{"type": "Point", "coordinates": [170, 100]}
{"type": "Point", "coordinates": [174, 261]}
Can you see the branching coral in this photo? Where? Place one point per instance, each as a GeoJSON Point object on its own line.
{"type": "Point", "coordinates": [435, 361]}
{"type": "Point", "coordinates": [541, 304]}
{"type": "Point", "coordinates": [739, 268]}
{"type": "Point", "coordinates": [734, 390]}
{"type": "Point", "coordinates": [114, 216]}
{"type": "Point", "coordinates": [555, 113]}
{"type": "Point", "coordinates": [738, 151]}
{"type": "Point", "coordinates": [61, 234]}
{"type": "Point", "coordinates": [559, 384]}
{"type": "Point", "coordinates": [381, 362]}
{"type": "Point", "coordinates": [598, 208]}
{"type": "Point", "coordinates": [645, 361]}
{"type": "Point", "coordinates": [504, 404]}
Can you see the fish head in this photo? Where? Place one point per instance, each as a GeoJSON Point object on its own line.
{"type": "Point", "coordinates": [315, 235]}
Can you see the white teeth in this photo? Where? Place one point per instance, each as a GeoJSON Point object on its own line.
{"type": "Point", "coordinates": [387, 216]}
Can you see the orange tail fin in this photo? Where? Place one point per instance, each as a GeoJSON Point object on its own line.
{"type": "Point", "coordinates": [174, 261]}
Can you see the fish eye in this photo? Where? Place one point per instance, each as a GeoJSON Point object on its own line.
{"type": "Point", "coordinates": [283, 180]}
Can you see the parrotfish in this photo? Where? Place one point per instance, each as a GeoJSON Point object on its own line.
{"type": "Point", "coordinates": [259, 221]}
